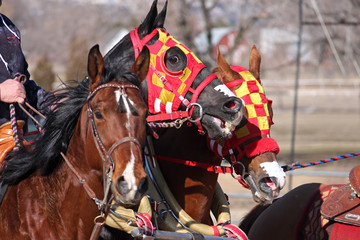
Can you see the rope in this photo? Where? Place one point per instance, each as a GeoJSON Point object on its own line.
{"type": "Point", "coordinates": [177, 123]}
{"type": "Point", "coordinates": [14, 127]}
{"type": "Point", "coordinates": [298, 165]}
{"type": "Point", "coordinates": [20, 78]}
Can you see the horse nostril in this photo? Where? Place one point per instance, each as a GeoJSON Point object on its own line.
{"type": "Point", "coordinates": [122, 185]}
{"type": "Point", "coordinates": [233, 105]}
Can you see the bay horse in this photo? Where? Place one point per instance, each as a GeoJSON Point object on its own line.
{"type": "Point", "coordinates": [63, 184]}
{"type": "Point", "coordinates": [310, 211]}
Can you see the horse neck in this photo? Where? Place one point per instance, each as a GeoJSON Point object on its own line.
{"type": "Point", "coordinates": [82, 154]}
{"type": "Point", "coordinates": [58, 200]}
{"type": "Point", "coordinates": [191, 186]}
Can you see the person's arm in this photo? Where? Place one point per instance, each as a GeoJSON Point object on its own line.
{"type": "Point", "coordinates": [12, 91]}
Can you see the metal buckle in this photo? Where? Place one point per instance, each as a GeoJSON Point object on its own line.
{"type": "Point", "coordinates": [201, 113]}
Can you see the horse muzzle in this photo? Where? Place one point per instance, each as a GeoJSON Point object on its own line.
{"type": "Point", "coordinates": [266, 188]}
{"type": "Point", "coordinates": [127, 194]}
{"type": "Point", "coordinates": [221, 124]}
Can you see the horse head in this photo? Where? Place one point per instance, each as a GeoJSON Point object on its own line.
{"type": "Point", "coordinates": [251, 149]}
{"type": "Point", "coordinates": [116, 115]}
{"type": "Point", "coordinates": [177, 79]}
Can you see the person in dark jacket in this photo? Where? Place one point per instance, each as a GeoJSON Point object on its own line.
{"type": "Point", "coordinates": [13, 63]}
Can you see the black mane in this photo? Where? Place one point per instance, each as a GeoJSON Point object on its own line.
{"type": "Point", "coordinates": [122, 54]}
{"type": "Point", "coordinates": [58, 130]}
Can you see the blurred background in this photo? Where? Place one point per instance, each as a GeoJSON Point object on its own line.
{"type": "Point", "coordinates": [310, 63]}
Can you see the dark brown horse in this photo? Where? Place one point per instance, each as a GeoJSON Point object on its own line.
{"type": "Point", "coordinates": [254, 156]}
{"type": "Point", "coordinates": [91, 148]}
{"type": "Point", "coordinates": [213, 106]}
{"type": "Point", "coordinates": [309, 211]}
{"type": "Point", "coordinates": [177, 77]}
{"type": "Point", "coordinates": [193, 188]}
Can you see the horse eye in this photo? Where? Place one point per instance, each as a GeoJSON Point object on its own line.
{"type": "Point", "coordinates": [98, 115]}
{"type": "Point", "coordinates": [174, 59]}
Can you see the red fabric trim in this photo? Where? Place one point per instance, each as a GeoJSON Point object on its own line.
{"type": "Point", "coordinates": [234, 83]}
{"type": "Point", "coordinates": [343, 231]}
{"type": "Point", "coordinates": [216, 231]}
{"type": "Point", "coordinates": [260, 146]}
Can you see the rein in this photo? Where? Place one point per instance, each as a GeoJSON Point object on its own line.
{"type": "Point", "coordinates": [22, 79]}
{"type": "Point", "coordinates": [234, 168]}
{"type": "Point", "coordinates": [298, 165]}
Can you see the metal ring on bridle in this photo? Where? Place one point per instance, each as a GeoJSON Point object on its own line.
{"type": "Point", "coordinates": [201, 113]}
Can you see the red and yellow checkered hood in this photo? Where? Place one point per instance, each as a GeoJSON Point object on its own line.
{"type": "Point", "coordinates": [161, 99]}
{"type": "Point", "coordinates": [253, 138]}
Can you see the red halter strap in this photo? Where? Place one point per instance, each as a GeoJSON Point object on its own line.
{"type": "Point", "coordinates": [206, 166]}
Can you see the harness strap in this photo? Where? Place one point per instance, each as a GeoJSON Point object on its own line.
{"type": "Point", "coordinates": [87, 188]}
{"type": "Point", "coordinates": [170, 87]}
{"type": "Point", "coordinates": [167, 116]}
{"type": "Point", "coordinates": [138, 44]}
{"type": "Point", "coordinates": [196, 92]}
{"type": "Point", "coordinates": [124, 140]}
{"type": "Point", "coordinates": [206, 166]}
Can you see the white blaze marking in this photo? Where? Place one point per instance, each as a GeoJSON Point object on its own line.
{"type": "Point", "coordinates": [118, 95]}
{"type": "Point", "coordinates": [273, 169]}
{"type": "Point", "coordinates": [225, 90]}
{"type": "Point", "coordinates": [129, 173]}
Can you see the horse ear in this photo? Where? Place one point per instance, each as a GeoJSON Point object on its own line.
{"type": "Point", "coordinates": [148, 24]}
{"type": "Point", "coordinates": [224, 70]}
{"type": "Point", "coordinates": [141, 65]}
{"type": "Point", "coordinates": [95, 66]}
{"type": "Point", "coordinates": [160, 19]}
{"type": "Point", "coordinates": [254, 62]}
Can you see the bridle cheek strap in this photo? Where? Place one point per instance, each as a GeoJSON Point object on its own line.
{"type": "Point", "coordinates": [138, 44]}
{"type": "Point", "coordinates": [196, 92]}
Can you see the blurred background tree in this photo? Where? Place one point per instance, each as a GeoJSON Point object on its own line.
{"type": "Point", "coordinates": [43, 73]}
{"type": "Point", "coordinates": [76, 66]}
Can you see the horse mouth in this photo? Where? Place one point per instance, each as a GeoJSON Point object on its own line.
{"type": "Point", "coordinates": [218, 128]}
{"type": "Point", "coordinates": [266, 189]}
{"type": "Point", "coordinates": [128, 200]}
